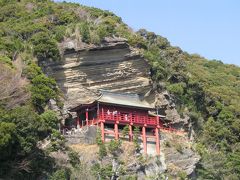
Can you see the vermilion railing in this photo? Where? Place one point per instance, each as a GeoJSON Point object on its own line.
{"type": "Point", "coordinates": [125, 118]}
{"type": "Point", "coordinates": [137, 119]}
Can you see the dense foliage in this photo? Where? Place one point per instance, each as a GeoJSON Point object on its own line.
{"type": "Point", "coordinates": [207, 91]}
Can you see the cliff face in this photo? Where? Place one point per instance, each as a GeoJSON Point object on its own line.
{"type": "Point", "coordinates": [116, 67]}
{"type": "Point", "coordinates": [113, 66]}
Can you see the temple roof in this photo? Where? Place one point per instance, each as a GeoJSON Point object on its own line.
{"type": "Point", "coordinates": [123, 99]}
{"type": "Point", "coordinates": [119, 99]}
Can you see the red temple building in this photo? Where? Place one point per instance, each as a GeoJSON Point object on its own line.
{"type": "Point", "coordinates": [117, 110]}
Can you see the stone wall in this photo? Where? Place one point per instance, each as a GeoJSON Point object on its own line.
{"type": "Point", "coordinates": [87, 135]}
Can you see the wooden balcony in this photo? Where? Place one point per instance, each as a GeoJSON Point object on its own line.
{"type": "Point", "coordinates": [123, 118]}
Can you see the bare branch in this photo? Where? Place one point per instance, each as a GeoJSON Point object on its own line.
{"type": "Point", "coordinates": [13, 89]}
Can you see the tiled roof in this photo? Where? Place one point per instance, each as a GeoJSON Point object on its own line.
{"type": "Point", "coordinates": [123, 99]}
{"type": "Point", "coordinates": [118, 99]}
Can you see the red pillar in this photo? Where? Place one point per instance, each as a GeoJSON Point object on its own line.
{"type": "Point", "coordinates": [87, 116]}
{"type": "Point", "coordinates": [130, 133]}
{"type": "Point", "coordinates": [102, 131]}
{"type": "Point", "coordinates": [116, 131]}
{"type": "Point", "coordinates": [144, 139]}
{"type": "Point", "coordinates": [157, 141]}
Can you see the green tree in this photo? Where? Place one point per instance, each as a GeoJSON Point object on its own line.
{"type": "Point", "coordinates": [125, 131]}
{"type": "Point", "coordinates": [136, 132]}
{"type": "Point", "coordinates": [45, 47]}
{"type": "Point", "coordinates": [85, 32]}
{"type": "Point", "coordinates": [49, 121]}
{"type": "Point", "coordinates": [7, 139]}
{"type": "Point", "coordinates": [32, 70]}
{"type": "Point", "coordinates": [43, 89]}
{"type": "Point", "coordinates": [102, 147]}
{"type": "Point", "coordinates": [114, 146]}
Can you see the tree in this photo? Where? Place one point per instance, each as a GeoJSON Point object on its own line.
{"type": "Point", "coordinates": [49, 121]}
{"type": "Point", "coordinates": [136, 132]}
{"type": "Point", "coordinates": [45, 47]}
{"type": "Point", "coordinates": [7, 139]}
{"type": "Point", "coordinates": [125, 131]}
{"type": "Point", "coordinates": [102, 148]}
{"type": "Point", "coordinates": [43, 89]}
{"type": "Point", "coordinates": [84, 31]}
{"type": "Point", "coordinates": [32, 70]}
{"type": "Point", "coordinates": [114, 146]}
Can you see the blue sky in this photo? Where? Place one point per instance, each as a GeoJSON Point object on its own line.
{"type": "Point", "coordinates": [210, 28]}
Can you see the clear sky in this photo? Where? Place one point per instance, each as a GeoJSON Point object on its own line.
{"type": "Point", "coordinates": [210, 28]}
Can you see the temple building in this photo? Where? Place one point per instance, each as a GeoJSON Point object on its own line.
{"type": "Point", "coordinates": [113, 111]}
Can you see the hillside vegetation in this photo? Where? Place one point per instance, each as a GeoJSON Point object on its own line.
{"type": "Point", "coordinates": [30, 33]}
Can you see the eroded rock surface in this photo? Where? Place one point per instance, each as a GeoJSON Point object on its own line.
{"type": "Point", "coordinates": [112, 66]}
{"type": "Point", "coordinates": [179, 154]}
{"type": "Point", "coordinates": [116, 67]}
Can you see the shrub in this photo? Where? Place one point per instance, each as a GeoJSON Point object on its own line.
{"type": "Point", "coordinates": [104, 172]}
{"type": "Point", "coordinates": [182, 175]}
{"type": "Point", "coordinates": [95, 39]}
{"type": "Point", "coordinates": [177, 88]}
{"type": "Point", "coordinates": [57, 141]}
{"type": "Point", "coordinates": [162, 42]}
{"type": "Point", "coordinates": [85, 32]}
{"type": "Point", "coordinates": [61, 174]}
{"type": "Point", "coordinates": [6, 60]}
{"type": "Point", "coordinates": [136, 132]}
{"type": "Point", "coordinates": [102, 31]}
{"type": "Point", "coordinates": [102, 148]}
{"type": "Point", "coordinates": [137, 41]}
{"type": "Point", "coordinates": [32, 70]}
{"type": "Point", "coordinates": [102, 151]}
{"type": "Point", "coordinates": [114, 146]}
{"type": "Point", "coordinates": [125, 131]}
{"type": "Point", "coordinates": [59, 33]}
{"type": "Point", "coordinates": [10, 45]}
{"type": "Point", "coordinates": [74, 158]}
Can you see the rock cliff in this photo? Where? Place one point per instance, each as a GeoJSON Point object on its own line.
{"type": "Point", "coordinates": [112, 66]}
{"type": "Point", "coordinates": [116, 67]}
